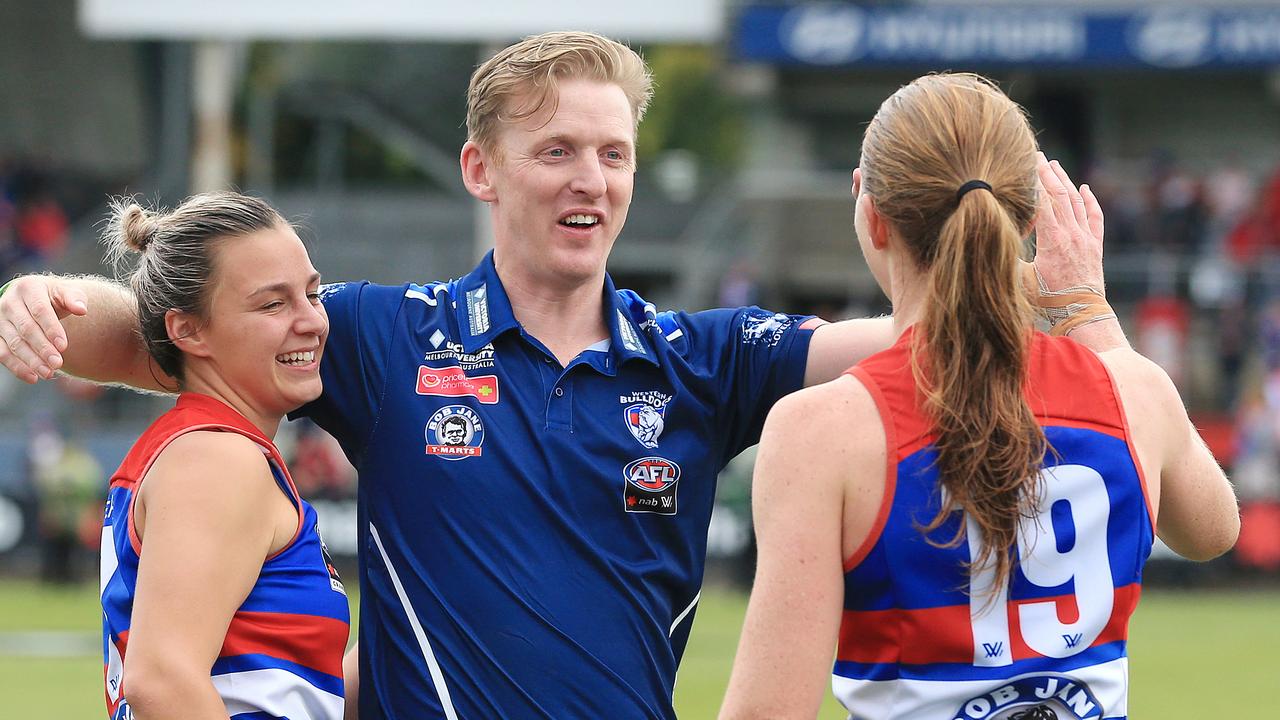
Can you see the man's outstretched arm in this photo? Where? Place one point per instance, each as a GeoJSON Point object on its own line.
{"type": "Point", "coordinates": [85, 326]}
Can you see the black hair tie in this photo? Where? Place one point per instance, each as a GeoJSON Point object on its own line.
{"type": "Point", "coordinates": [971, 185]}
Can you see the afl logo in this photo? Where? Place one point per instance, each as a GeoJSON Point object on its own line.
{"type": "Point", "coordinates": [454, 432]}
{"type": "Point", "coordinates": [651, 485]}
{"type": "Point", "coordinates": [654, 474]}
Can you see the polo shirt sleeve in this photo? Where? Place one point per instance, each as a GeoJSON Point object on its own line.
{"type": "Point", "coordinates": [753, 357]}
{"type": "Point", "coordinates": [361, 321]}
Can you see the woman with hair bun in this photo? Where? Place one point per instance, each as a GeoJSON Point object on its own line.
{"type": "Point", "coordinates": [218, 596]}
{"type": "Point", "coordinates": [964, 518]}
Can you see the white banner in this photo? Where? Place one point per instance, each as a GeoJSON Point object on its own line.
{"type": "Point", "coordinates": [487, 21]}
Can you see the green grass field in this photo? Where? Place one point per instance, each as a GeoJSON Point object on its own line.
{"type": "Point", "coordinates": [1193, 655]}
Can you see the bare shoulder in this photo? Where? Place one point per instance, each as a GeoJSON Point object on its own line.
{"type": "Point", "coordinates": [1157, 419]}
{"type": "Point", "coordinates": [827, 429]}
{"type": "Point", "coordinates": [825, 414]}
{"type": "Point", "coordinates": [208, 462]}
{"type": "Point", "coordinates": [1145, 388]}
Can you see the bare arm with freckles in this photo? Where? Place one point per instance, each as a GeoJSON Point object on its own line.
{"type": "Point", "coordinates": [1069, 227]}
{"type": "Point", "coordinates": [819, 479]}
{"type": "Point", "coordinates": [85, 326]}
{"type": "Point", "coordinates": [1195, 508]}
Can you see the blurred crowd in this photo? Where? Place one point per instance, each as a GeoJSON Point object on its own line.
{"type": "Point", "coordinates": [33, 223]}
{"type": "Point", "coordinates": [1226, 211]}
{"type": "Point", "coordinates": [1223, 227]}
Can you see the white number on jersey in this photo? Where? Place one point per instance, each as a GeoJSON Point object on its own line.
{"type": "Point", "coordinates": [1085, 562]}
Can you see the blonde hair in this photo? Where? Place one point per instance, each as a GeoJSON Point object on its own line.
{"type": "Point", "coordinates": [971, 354]}
{"type": "Point", "coordinates": [521, 80]}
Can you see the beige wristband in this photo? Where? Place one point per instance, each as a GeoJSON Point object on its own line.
{"type": "Point", "coordinates": [1069, 308]}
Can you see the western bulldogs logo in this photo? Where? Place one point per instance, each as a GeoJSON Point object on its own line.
{"type": "Point", "coordinates": [645, 423]}
{"type": "Point", "coordinates": [651, 485]}
{"type": "Point", "coordinates": [645, 415]}
{"type": "Point", "coordinates": [1034, 697]}
{"type": "Point", "coordinates": [762, 328]}
{"type": "Point", "coordinates": [454, 432]}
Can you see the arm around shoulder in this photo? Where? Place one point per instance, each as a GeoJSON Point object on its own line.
{"type": "Point", "coordinates": [838, 346]}
{"type": "Point", "coordinates": [86, 326]}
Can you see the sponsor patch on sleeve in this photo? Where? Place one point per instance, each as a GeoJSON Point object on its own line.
{"type": "Point", "coordinates": [763, 328]}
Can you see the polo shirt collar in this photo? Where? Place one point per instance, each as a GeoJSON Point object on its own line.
{"type": "Point", "coordinates": [482, 306]}
{"type": "Point", "coordinates": [627, 339]}
{"type": "Point", "coordinates": [484, 312]}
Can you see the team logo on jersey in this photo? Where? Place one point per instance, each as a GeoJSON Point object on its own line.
{"type": "Point", "coordinates": [453, 354]}
{"type": "Point", "coordinates": [453, 382]}
{"type": "Point", "coordinates": [651, 484]}
{"type": "Point", "coordinates": [335, 582]}
{"type": "Point", "coordinates": [455, 432]}
{"type": "Point", "coordinates": [763, 328]}
{"type": "Point", "coordinates": [645, 422]}
{"type": "Point", "coordinates": [1064, 697]}
{"type": "Point", "coordinates": [645, 415]}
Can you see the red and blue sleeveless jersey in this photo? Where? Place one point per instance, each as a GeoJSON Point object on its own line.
{"type": "Point", "coordinates": [282, 657]}
{"type": "Point", "coordinates": [923, 637]}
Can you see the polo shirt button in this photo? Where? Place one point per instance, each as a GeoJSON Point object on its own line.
{"type": "Point", "coordinates": [559, 392]}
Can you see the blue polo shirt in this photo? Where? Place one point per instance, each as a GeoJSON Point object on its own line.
{"type": "Point", "coordinates": [533, 536]}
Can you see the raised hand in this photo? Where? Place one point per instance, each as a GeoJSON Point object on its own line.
{"type": "Point", "coordinates": [1069, 227]}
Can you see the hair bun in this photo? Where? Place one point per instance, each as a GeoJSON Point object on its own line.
{"type": "Point", "coordinates": [137, 227]}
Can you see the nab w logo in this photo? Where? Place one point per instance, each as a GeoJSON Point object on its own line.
{"type": "Point", "coordinates": [1072, 640]}
{"type": "Point", "coordinates": [993, 650]}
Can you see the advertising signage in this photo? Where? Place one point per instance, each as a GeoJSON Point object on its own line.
{"type": "Point", "coordinates": [837, 34]}
{"type": "Point", "coordinates": [498, 21]}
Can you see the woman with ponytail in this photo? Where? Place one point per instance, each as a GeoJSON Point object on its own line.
{"type": "Point", "coordinates": [964, 518]}
{"type": "Point", "coordinates": [218, 597]}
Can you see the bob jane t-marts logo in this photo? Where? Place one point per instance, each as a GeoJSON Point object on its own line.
{"type": "Point", "coordinates": [650, 486]}
{"type": "Point", "coordinates": [455, 432]}
{"type": "Point", "coordinates": [1035, 696]}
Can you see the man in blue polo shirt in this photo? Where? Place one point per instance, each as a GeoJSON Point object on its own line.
{"type": "Point", "coordinates": [537, 449]}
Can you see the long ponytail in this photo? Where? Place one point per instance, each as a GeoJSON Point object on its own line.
{"type": "Point", "coordinates": [971, 361]}
{"type": "Point", "coordinates": [970, 355]}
